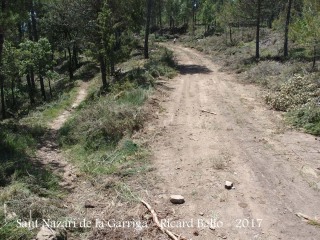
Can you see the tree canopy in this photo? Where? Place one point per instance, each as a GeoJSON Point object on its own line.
{"type": "Point", "coordinates": [43, 36]}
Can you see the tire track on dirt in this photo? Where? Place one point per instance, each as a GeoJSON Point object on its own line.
{"type": "Point", "coordinates": [244, 135]}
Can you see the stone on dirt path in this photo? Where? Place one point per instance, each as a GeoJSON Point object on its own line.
{"type": "Point", "coordinates": [228, 185]}
{"type": "Point", "coordinates": [177, 199]}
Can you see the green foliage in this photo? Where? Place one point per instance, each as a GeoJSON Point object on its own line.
{"type": "Point", "coordinates": [35, 56]}
{"type": "Point", "coordinates": [20, 177]}
{"type": "Point", "coordinates": [106, 30]}
{"type": "Point", "coordinates": [10, 231]}
{"type": "Point", "coordinates": [14, 143]}
{"type": "Point", "coordinates": [208, 12]}
{"type": "Point", "coordinates": [17, 145]}
{"type": "Point", "coordinates": [306, 116]}
{"type": "Point", "coordinates": [43, 114]}
{"type": "Point", "coordinates": [228, 14]}
{"type": "Point", "coordinates": [95, 135]}
{"type": "Point", "coordinates": [97, 138]}
{"type": "Point", "coordinates": [306, 27]}
{"type": "Point", "coordinates": [161, 64]}
{"type": "Point", "coordinates": [135, 97]}
{"type": "Point", "coordinates": [103, 122]}
{"type": "Point", "coordinates": [10, 60]}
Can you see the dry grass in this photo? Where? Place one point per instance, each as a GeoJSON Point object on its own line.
{"type": "Point", "coordinates": [314, 223]}
{"type": "Point", "coordinates": [219, 163]}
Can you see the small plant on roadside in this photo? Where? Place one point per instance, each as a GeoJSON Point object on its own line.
{"type": "Point", "coordinates": [307, 116]}
{"type": "Point", "coordinates": [295, 92]}
{"type": "Point", "coordinates": [218, 163]}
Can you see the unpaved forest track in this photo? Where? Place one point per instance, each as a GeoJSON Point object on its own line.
{"type": "Point", "coordinates": [81, 191]}
{"type": "Point", "coordinates": [274, 169]}
{"type": "Point", "coordinates": [49, 154]}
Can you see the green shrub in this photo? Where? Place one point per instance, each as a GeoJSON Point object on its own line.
{"type": "Point", "coordinates": [294, 93]}
{"type": "Point", "coordinates": [307, 116]}
{"type": "Point", "coordinates": [97, 138]}
{"type": "Point", "coordinates": [105, 122]}
{"type": "Point", "coordinates": [135, 97]}
{"type": "Point", "coordinates": [263, 70]}
{"type": "Point", "coordinates": [21, 178]}
{"type": "Point", "coordinates": [10, 230]}
{"type": "Point", "coordinates": [161, 63]}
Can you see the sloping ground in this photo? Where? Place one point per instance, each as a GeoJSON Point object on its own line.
{"type": "Point", "coordinates": [79, 189]}
{"type": "Point", "coordinates": [275, 171]}
{"type": "Point", "coordinates": [49, 154]}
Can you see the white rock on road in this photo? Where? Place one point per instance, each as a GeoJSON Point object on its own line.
{"type": "Point", "coordinates": [177, 199]}
{"type": "Point", "coordinates": [228, 185]}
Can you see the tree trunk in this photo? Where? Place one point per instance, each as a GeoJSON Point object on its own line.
{"type": "Point", "coordinates": [13, 99]}
{"type": "Point", "coordinates": [20, 31]}
{"type": "Point", "coordinates": [160, 16]}
{"type": "Point", "coordinates": [34, 25]}
{"type": "Point", "coordinates": [33, 82]}
{"type": "Point", "coordinates": [30, 89]}
{"type": "Point", "coordinates": [286, 30]}
{"type": "Point", "coordinates": [112, 66]}
{"type": "Point", "coordinates": [146, 40]}
{"type": "Point", "coordinates": [3, 105]}
{"type": "Point", "coordinates": [193, 22]}
{"type": "Point", "coordinates": [258, 30]}
{"type": "Point", "coordinates": [70, 64]}
{"type": "Point", "coordinates": [50, 89]}
{"type": "Point", "coordinates": [103, 70]}
{"type": "Point", "coordinates": [230, 34]}
{"type": "Point", "coordinates": [75, 56]}
{"type": "Point", "coordinates": [30, 31]}
{"type": "Point", "coordinates": [43, 91]}
{"type": "Point", "coordinates": [314, 56]}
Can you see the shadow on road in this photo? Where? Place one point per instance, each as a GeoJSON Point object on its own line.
{"type": "Point", "coordinates": [193, 69]}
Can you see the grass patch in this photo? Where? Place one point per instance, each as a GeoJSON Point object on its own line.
{"type": "Point", "coordinates": [98, 137]}
{"type": "Point", "coordinates": [314, 223]}
{"type": "Point", "coordinates": [219, 163]}
{"type": "Point", "coordinates": [160, 64]}
{"type": "Point", "coordinates": [103, 122]}
{"type": "Point", "coordinates": [125, 193]}
{"type": "Point", "coordinates": [23, 182]}
{"type": "Point", "coordinates": [43, 114]}
{"type": "Point", "coordinates": [122, 160]}
{"type": "Point", "coordinates": [307, 117]}
{"type": "Point", "coordinates": [9, 230]}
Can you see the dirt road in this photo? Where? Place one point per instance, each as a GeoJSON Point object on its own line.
{"type": "Point", "coordinates": [274, 170]}
{"type": "Point", "coordinates": [49, 154]}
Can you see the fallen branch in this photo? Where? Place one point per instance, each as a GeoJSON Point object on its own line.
{"type": "Point", "coordinates": [213, 113]}
{"type": "Point", "coordinates": [307, 218]}
{"type": "Point", "coordinates": [118, 95]}
{"type": "Point", "coordinates": [156, 221]}
{"type": "Point", "coordinates": [303, 216]}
